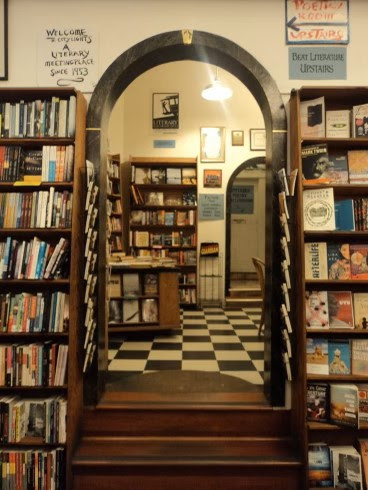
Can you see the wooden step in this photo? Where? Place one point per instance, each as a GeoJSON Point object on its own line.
{"type": "Point", "coordinates": [244, 302]}
{"type": "Point", "coordinates": [245, 292]}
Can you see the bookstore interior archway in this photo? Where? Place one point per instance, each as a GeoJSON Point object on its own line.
{"type": "Point", "coordinates": [219, 51]}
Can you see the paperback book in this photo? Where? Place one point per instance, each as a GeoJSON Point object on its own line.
{"type": "Point", "coordinates": [317, 355]}
{"type": "Point", "coordinates": [359, 261]}
{"type": "Point", "coordinates": [315, 164]}
{"type": "Point", "coordinates": [319, 209]}
{"type": "Point", "coordinates": [360, 121]}
{"type": "Point", "coordinates": [338, 261]}
{"type": "Point", "coordinates": [312, 118]}
{"type": "Point", "coordinates": [115, 315]}
{"type": "Point", "coordinates": [344, 215]}
{"type": "Point", "coordinates": [173, 176]}
{"type": "Point", "coordinates": [150, 284]}
{"type": "Point", "coordinates": [130, 311]}
{"type": "Point", "coordinates": [344, 404]}
{"type": "Point", "coordinates": [339, 356]}
{"type": "Point", "coordinates": [150, 310]}
{"type": "Point", "coordinates": [358, 166]}
{"type": "Point", "coordinates": [338, 123]}
{"type": "Point", "coordinates": [319, 467]}
{"type": "Point", "coordinates": [131, 286]}
{"type": "Point", "coordinates": [359, 357]}
{"type": "Point", "coordinates": [315, 260]}
{"type": "Point", "coordinates": [188, 176]}
{"type": "Point", "coordinates": [158, 176]}
{"type": "Point", "coordinates": [317, 402]}
{"type": "Point", "coordinates": [340, 309]}
{"type": "Point", "coordinates": [360, 301]}
{"type": "Point", "coordinates": [316, 309]}
{"type": "Point", "coordinates": [142, 175]}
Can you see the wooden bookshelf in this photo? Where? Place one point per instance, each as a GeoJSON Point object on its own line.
{"type": "Point", "coordinates": [114, 209]}
{"type": "Point", "coordinates": [69, 283]}
{"type": "Point", "coordinates": [159, 172]}
{"type": "Point", "coordinates": [143, 299]}
{"type": "Point", "coordinates": [324, 431]}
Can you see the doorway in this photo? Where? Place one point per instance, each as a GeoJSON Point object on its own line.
{"type": "Point", "coordinates": [198, 46]}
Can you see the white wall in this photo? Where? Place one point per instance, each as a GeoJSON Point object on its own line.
{"type": "Point", "coordinates": [188, 78]}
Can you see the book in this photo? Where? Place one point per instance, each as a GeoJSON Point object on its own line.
{"type": "Point", "coordinates": [115, 313]}
{"type": "Point", "coordinates": [317, 402]}
{"type": "Point", "coordinates": [188, 176]}
{"type": "Point", "coordinates": [131, 284]}
{"type": "Point", "coordinates": [142, 175]}
{"type": "Point", "coordinates": [344, 215]}
{"type": "Point", "coordinates": [130, 311]}
{"type": "Point", "coordinates": [363, 450]}
{"type": "Point", "coordinates": [315, 260]}
{"type": "Point", "coordinates": [344, 404]}
{"type": "Point", "coordinates": [172, 199]}
{"type": "Point", "coordinates": [150, 310]}
{"type": "Point", "coordinates": [340, 309]}
{"type": "Point", "coordinates": [154, 199]}
{"type": "Point", "coordinates": [312, 118]}
{"type": "Point", "coordinates": [173, 176]}
{"type": "Point", "coordinates": [150, 284]}
{"type": "Point", "coordinates": [137, 217]}
{"type": "Point", "coordinates": [114, 285]}
{"type": "Point", "coordinates": [359, 121]}
{"type": "Point", "coordinates": [317, 355]}
{"type": "Point", "coordinates": [337, 171]}
{"type": "Point", "coordinates": [338, 261]}
{"type": "Point", "coordinates": [360, 302]}
{"type": "Point", "coordinates": [359, 357]}
{"type": "Point", "coordinates": [319, 209]}
{"type": "Point", "coordinates": [338, 123]}
{"type": "Point", "coordinates": [169, 218]}
{"type": "Point", "coordinates": [32, 166]}
{"type": "Point", "coordinates": [315, 163]}
{"type": "Point", "coordinates": [158, 176]}
{"type": "Point", "coordinates": [141, 239]}
{"type": "Point", "coordinates": [358, 166]}
{"type": "Point", "coordinates": [359, 261]}
{"type": "Point", "coordinates": [316, 309]}
{"type": "Point", "coordinates": [319, 467]}
{"type": "Point", "coordinates": [346, 467]}
{"type": "Point", "coordinates": [339, 356]}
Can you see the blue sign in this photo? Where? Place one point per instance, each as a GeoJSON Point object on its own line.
{"type": "Point", "coordinates": [317, 63]}
{"type": "Point", "coordinates": [163, 143]}
{"type": "Point", "coordinates": [211, 206]}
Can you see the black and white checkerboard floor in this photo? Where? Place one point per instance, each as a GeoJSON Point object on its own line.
{"type": "Point", "coordinates": [212, 339]}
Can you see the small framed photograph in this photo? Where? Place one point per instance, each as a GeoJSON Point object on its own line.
{"type": "Point", "coordinates": [237, 138]}
{"type": "Point", "coordinates": [257, 139]}
{"type": "Point", "coordinates": [212, 178]}
{"type": "Point", "coordinates": [165, 111]}
{"type": "Point", "coordinates": [213, 145]}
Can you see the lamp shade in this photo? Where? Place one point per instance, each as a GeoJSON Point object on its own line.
{"type": "Point", "coordinates": [216, 91]}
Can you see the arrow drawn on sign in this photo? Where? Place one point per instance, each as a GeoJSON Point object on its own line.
{"type": "Point", "coordinates": [291, 24]}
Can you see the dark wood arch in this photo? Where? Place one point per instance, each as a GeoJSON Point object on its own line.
{"type": "Point", "coordinates": [208, 48]}
{"type": "Point", "coordinates": [247, 164]}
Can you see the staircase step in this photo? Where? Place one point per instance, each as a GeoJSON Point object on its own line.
{"type": "Point", "coordinates": [244, 292]}
{"type": "Point", "coordinates": [244, 302]}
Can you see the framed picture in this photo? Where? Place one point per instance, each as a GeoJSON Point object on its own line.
{"type": "Point", "coordinates": [257, 139]}
{"type": "Point", "coordinates": [4, 39]}
{"type": "Point", "coordinates": [237, 138]}
{"type": "Point", "coordinates": [212, 178]}
{"type": "Point", "coordinates": [213, 145]}
{"type": "Point", "coordinates": [165, 111]}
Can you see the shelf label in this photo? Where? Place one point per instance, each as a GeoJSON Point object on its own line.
{"type": "Point", "coordinates": [211, 207]}
{"type": "Point", "coordinates": [317, 63]}
{"type": "Point", "coordinates": [67, 57]}
{"type": "Point", "coordinates": [317, 21]}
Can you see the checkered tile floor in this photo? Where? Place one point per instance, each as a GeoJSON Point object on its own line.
{"type": "Point", "coordinates": [212, 339]}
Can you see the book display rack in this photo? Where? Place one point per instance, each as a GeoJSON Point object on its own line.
{"type": "Point", "coordinates": [41, 153]}
{"type": "Point", "coordinates": [332, 348]}
{"type": "Point", "coordinates": [142, 298]}
{"type": "Point", "coordinates": [163, 216]}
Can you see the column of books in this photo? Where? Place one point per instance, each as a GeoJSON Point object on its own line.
{"type": "Point", "coordinates": [37, 132]}
{"type": "Point", "coordinates": [90, 273]}
{"type": "Point", "coordinates": [286, 207]}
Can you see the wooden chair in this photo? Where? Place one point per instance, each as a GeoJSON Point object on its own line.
{"type": "Point", "coordinates": [259, 266]}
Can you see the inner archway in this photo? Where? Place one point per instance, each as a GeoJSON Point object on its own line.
{"type": "Point", "coordinates": [196, 46]}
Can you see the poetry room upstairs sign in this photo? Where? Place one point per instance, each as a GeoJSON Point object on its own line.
{"type": "Point", "coordinates": [317, 21]}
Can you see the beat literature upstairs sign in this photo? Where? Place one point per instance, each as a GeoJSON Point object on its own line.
{"type": "Point", "coordinates": [317, 21]}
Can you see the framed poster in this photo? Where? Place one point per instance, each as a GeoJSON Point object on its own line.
{"type": "Point", "coordinates": [165, 111]}
{"type": "Point", "coordinates": [257, 139]}
{"type": "Point", "coordinates": [213, 145]}
{"type": "Point", "coordinates": [4, 39]}
{"type": "Point", "coordinates": [212, 178]}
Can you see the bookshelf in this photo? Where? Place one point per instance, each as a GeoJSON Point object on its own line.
{"type": "Point", "coordinates": [41, 156]}
{"type": "Point", "coordinates": [163, 216]}
{"type": "Point", "coordinates": [114, 204]}
{"type": "Point", "coordinates": [324, 284]}
{"type": "Point", "coordinates": [143, 299]}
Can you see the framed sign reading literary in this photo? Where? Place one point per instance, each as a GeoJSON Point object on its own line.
{"type": "Point", "coordinates": [212, 145]}
{"type": "Point", "coordinates": [4, 39]}
{"type": "Point", "coordinates": [257, 139]}
{"type": "Point", "coordinates": [165, 111]}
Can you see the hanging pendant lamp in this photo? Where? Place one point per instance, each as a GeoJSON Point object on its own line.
{"type": "Point", "coordinates": [216, 90]}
